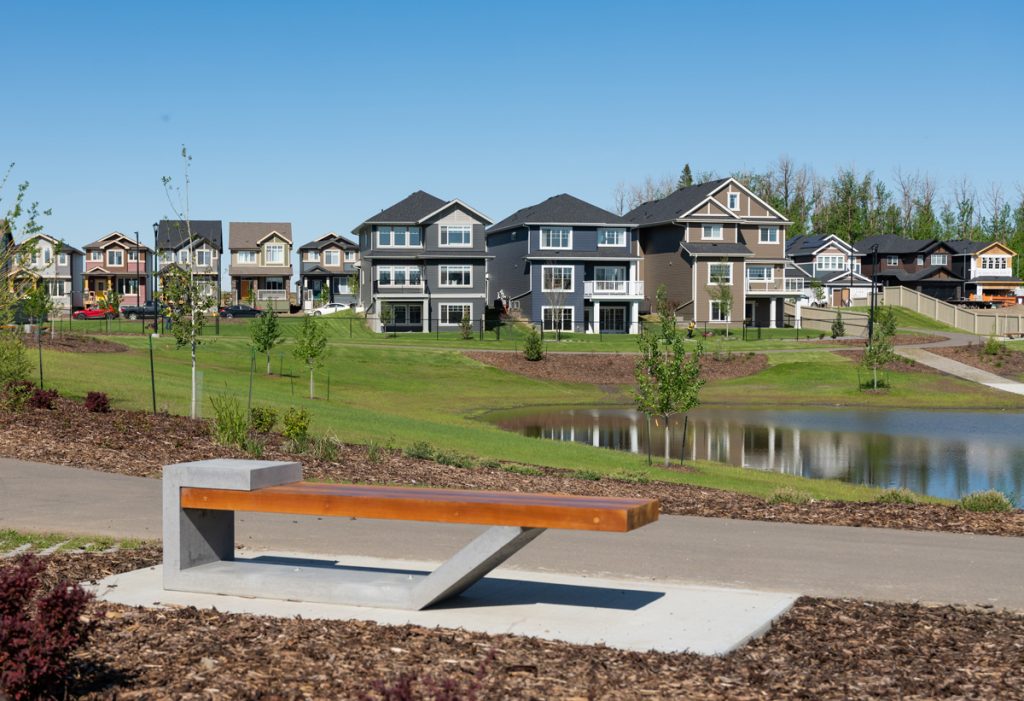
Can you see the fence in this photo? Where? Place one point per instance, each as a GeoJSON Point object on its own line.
{"type": "Point", "coordinates": [983, 322]}
{"type": "Point", "coordinates": [820, 320]}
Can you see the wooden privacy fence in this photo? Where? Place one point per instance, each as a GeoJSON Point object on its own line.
{"type": "Point", "coordinates": [985, 322]}
{"type": "Point", "coordinates": [821, 318]}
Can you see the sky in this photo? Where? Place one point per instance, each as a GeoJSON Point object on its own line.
{"type": "Point", "coordinates": [322, 114]}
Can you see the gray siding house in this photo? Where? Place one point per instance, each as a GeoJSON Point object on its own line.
{"type": "Point", "coordinates": [57, 265]}
{"type": "Point", "coordinates": [569, 266]}
{"type": "Point", "coordinates": [203, 254]}
{"type": "Point", "coordinates": [329, 262]}
{"type": "Point", "coordinates": [425, 261]}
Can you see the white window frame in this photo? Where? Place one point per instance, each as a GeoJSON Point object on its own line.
{"type": "Point", "coordinates": [561, 231]}
{"type": "Point", "coordinates": [712, 227]}
{"type": "Point", "coordinates": [445, 231]}
{"type": "Point", "coordinates": [204, 253]}
{"type": "Point", "coordinates": [273, 247]}
{"type": "Point", "coordinates": [795, 284]}
{"type": "Point", "coordinates": [183, 256]}
{"type": "Point", "coordinates": [95, 256]}
{"type": "Point", "coordinates": [444, 313]}
{"type": "Point", "coordinates": [311, 256]}
{"type": "Point", "coordinates": [120, 254]}
{"type": "Point", "coordinates": [935, 257]}
{"type": "Point", "coordinates": [166, 257]}
{"type": "Point", "coordinates": [133, 256]}
{"type": "Point", "coordinates": [462, 268]}
{"type": "Point", "coordinates": [551, 327]}
{"type": "Point", "coordinates": [47, 256]}
{"type": "Point", "coordinates": [769, 268]}
{"type": "Point", "coordinates": [620, 235]}
{"type": "Point", "coordinates": [712, 304]}
{"type": "Point", "coordinates": [772, 234]}
{"type": "Point", "coordinates": [892, 261]}
{"type": "Point", "coordinates": [386, 236]}
{"type": "Point", "coordinates": [336, 255]}
{"type": "Point", "coordinates": [711, 278]}
{"type": "Point", "coordinates": [920, 260]}
{"type": "Point", "coordinates": [543, 278]}
{"type": "Point", "coordinates": [251, 257]}
{"type": "Point", "coordinates": [62, 259]}
{"type": "Point", "coordinates": [729, 201]}
{"type": "Point", "coordinates": [127, 286]}
{"type": "Point", "coordinates": [350, 256]}
{"type": "Point", "coordinates": [407, 271]}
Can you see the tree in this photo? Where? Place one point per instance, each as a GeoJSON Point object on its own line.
{"type": "Point", "coordinates": [818, 292]}
{"type": "Point", "coordinates": [838, 327]}
{"type": "Point", "coordinates": [325, 295]}
{"type": "Point", "coordinates": [721, 292]}
{"type": "Point", "coordinates": [112, 299]}
{"type": "Point", "coordinates": [353, 284]}
{"type": "Point", "coordinates": [880, 348]}
{"type": "Point", "coordinates": [667, 381]}
{"type": "Point", "coordinates": [265, 332]}
{"type": "Point", "coordinates": [387, 315]}
{"type": "Point", "coordinates": [685, 178]}
{"type": "Point", "coordinates": [311, 347]}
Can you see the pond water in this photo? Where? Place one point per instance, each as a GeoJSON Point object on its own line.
{"type": "Point", "coordinates": [944, 454]}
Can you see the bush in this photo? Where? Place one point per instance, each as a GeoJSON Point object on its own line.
{"type": "Point", "coordinates": [421, 450]}
{"type": "Point", "coordinates": [374, 452]}
{"type": "Point", "coordinates": [42, 398]}
{"type": "Point", "coordinates": [587, 475]}
{"type": "Point", "coordinates": [230, 426]}
{"type": "Point", "coordinates": [454, 459]}
{"type": "Point", "coordinates": [466, 327]}
{"type": "Point", "coordinates": [14, 363]}
{"type": "Point", "coordinates": [16, 394]}
{"type": "Point", "coordinates": [324, 448]}
{"type": "Point", "coordinates": [39, 631]}
{"type": "Point", "coordinates": [254, 445]}
{"type": "Point", "coordinates": [992, 346]}
{"type": "Point", "coordinates": [899, 495]}
{"type": "Point", "coordinates": [989, 502]}
{"type": "Point", "coordinates": [838, 327]}
{"type": "Point", "coordinates": [491, 464]}
{"type": "Point", "coordinates": [533, 345]}
{"type": "Point", "coordinates": [262, 419]}
{"type": "Point", "coordinates": [788, 495]}
{"type": "Point", "coordinates": [296, 425]}
{"type": "Point", "coordinates": [97, 402]}
{"type": "Point", "coordinates": [631, 477]}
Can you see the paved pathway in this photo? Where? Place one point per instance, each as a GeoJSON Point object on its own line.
{"type": "Point", "coordinates": [870, 563]}
{"type": "Point", "coordinates": [961, 370]}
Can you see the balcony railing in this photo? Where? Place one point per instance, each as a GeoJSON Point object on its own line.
{"type": "Point", "coordinates": [776, 285]}
{"type": "Point", "coordinates": [271, 295]}
{"type": "Point", "coordinates": [613, 288]}
{"type": "Point", "coordinates": [399, 288]}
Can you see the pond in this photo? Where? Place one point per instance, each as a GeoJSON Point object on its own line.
{"type": "Point", "coordinates": [944, 454]}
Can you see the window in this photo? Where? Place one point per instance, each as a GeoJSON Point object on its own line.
{"type": "Point", "coordinates": [712, 231]}
{"type": "Point", "coordinates": [332, 257]}
{"type": "Point", "coordinates": [133, 256]}
{"type": "Point", "coordinates": [557, 318]}
{"type": "Point", "coordinates": [167, 257]}
{"type": "Point", "coordinates": [47, 256]}
{"type": "Point", "coordinates": [610, 278]}
{"type": "Point", "coordinates": [611, 237]}
{"type": "Point", "coordinates": [273, 283]}
{"type": "Point", "coordinates": [57, 288]}
{"type": "Point", "coordinates": [312, 257]}
{"type": "Point", "coordinates": [994, 262]}
{"type": "Point", "coordinates": [115, 258]}
{"type": "Point", "coordinates": [398, 236]}
{"type": "Point", "coordinates": [556, 278]}
{"type": "Point", "coordinates": [456, 275]}
{"type": "Point", "coordinates": [764, 273]}
{"type": "Point", "coordinates": [716, 311]}
{"type": "Point", "coordinates": [940, 259]}
{"type": "Point", "coordinates": [34, 258]}
{"type": "Point", "coordinates": [128, 285]}
{"type": "Point", "coordinates": [452, 314]}
{"type": "Point", "coordinates": [720, 273]}
{"type": "Point", "coordinates": [406, 314]}
{"type": "Point", "coordinates": [830, 262]}
{"type": "Point", "coordinates": [892, 261]}
{"type": "Point", "coordinates": [204, 258]}
{"type": "Point", "coordinates": [95, 256]}
{"type": "Point", "coordinates": [62, 259]}
{"type": "Point", "coordinates": [350, 256]}
{"type": "Point", "coordinates": [769, 234]}
{"type": "Point", "coordinates": [457, 235]}
{"type": "Point", "coordinates": [246, 257]}
{"type": "Point", "coordinates": [794, 284]}
{"type": "Point", "coordinates": [555, 237]}
{"type": "Point", "coordinates": [920, 260]}
{"type": "Point", "coordinates": [274, 254]}
{"type": "Point", "coordinates": [399, 275]}
{"type": "Point", "coordinates": [734, 201]}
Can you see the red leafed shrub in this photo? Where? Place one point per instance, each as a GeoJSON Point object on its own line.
{"type": "Point", "coordinates": [97, 402]}
{"type": "Point", "coordinates": [43, 398]}
{"type": "Point", "coordinates": [38, 631]}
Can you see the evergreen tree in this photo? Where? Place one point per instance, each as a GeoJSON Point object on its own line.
{"type": "Point", "coordinates": [685, 178]}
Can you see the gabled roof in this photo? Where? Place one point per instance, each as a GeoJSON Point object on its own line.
{"type": "Point", "coordinates": [172, 234]}
{"type": "Point", "coordinates": [967, 247]}
{"type": "Point", "coordinates": [408, 211]}
{"type": "Point", "coordinates": [244, 235]}
{"type": "Point", "coordinates": [328, 240]}
{"type": "Point", "coordinates": [563, 210]}
{"type": "Point", "coordinates": [922, 274]}
{"type": "Point", "coordinates": [725, 249]}
{"type": "Point", "coordinates": [795, 270]}
{"type": "Point", "coordinates": [670, 208]}
{"type": "Point", "coordinates": [841, 276]}
{"type": "Point", "coordinates": [317, 270]}
{"type": "Point", "coordinates": [64, 247]}
{"type": "Point", "coordinates": [893, 244]}
{"type": "Point", "coordinates": [116, 237]}
{"type": "Point", "coordinates": [810, 244]}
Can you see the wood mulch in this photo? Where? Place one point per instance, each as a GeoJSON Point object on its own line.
{"type": "Point", "coordinates": [898, 364]}
{"type": "Point", "coordinates": [612, 368]}
{"type": "Point", "coordinates": [1005, 363]}
{"type": "Point", "coordinates": [136, 443]}
{"type": "Point", "coordinates": [73, 343]}
{"type": "Point", "coordinates": [820, 649]}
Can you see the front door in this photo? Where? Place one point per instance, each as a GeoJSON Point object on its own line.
{"type": "Point", "coordinates": [613, 319]}
{"type": "Point", "coordinates": [244, 290]}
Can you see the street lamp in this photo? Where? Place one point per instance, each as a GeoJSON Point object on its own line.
{"type": "Point", "coordinates": [139, 258]}
{"type": "Point", "coordinates": [156, 275]}
{"type": "Point", "coordinates": [874, 275]}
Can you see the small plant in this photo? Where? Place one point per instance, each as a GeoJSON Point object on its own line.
{"type": "Point", "coordinates": [16, 394]}
{"type": "Point", "coordinates": [454, 459]}
{"type": "Point", "coordinates": [323, 448]}
{"type": "Point", "coordinates": [230, 426]}
{"type": "Point", "coordinates": [39, 631]}
{"type": "Point", "coordinates": [631, 477]}
{"type": "Point", "coordinates": [97, 402]}
{"type": "Point", "coordinates": [491, 464]}
{"type": "Point", "coordinates": [254, 445]}
{"type": "Point", "coordinates": [421, 450]}
{"type": "Point", "coordinates": [523, 470]}
{"type": "Point", "coordinates": [590, 475]}
{"type": "Point", "coordinates": [374, 452]}
{"type": "Point", "coordinates": [262, 419]}
{"type": "Point", "coordinates": [898, 495]}
{"type": "Point", "coordinates": [821, 336]}
{"type": "Point", "coordinates": [296, 425]}
{"type": "Point", "coordinates": [788, 495]}
{"type": "Point", "coordinates": [988, 502]}
{"type": "Point", "coordinates": [42, 398]}
{"type": "Point", "coordinates": [838, 327]}
{"type": "Point", "coordinates": [992, 346]}
{"type": "Point", "coordinates": [533, 345]}
{"type": "Point", "coordinates": [466, 327]}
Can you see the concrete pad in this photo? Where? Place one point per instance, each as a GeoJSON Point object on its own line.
{"type": "Point", "coordinates": [624, 614]}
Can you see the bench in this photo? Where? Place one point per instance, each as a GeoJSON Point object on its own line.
{"type": "Point", "coordinates": [200, 498]}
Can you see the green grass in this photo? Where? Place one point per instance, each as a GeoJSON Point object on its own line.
{"type": "Point", "coordinates": [11, 539]}
{"type": "Point", "coordinates": [906, 318]}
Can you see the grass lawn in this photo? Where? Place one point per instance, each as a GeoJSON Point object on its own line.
{"type": "Point", "coordinates": [11, 539]}
{"type": "Point", "coordinates": [906, 318]}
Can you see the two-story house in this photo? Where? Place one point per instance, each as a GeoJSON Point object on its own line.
{"type": "Point", "coordinates": [923, 266]}
{"type": "Point", "coordinates": [198, 244]}
{"type": "Point", "coordinates": [711, 238]}
{"type": "Point", "coordinates": [328, 263]}
{"type": "Point", "coordinates": [987, 270]}
{"type": "Point", "coordinates": [569, 266]}
{"type": "Point", "coordinates": [116, 262]}
{"type": "Point", "coordinates": [423, 264]}
{"type": "Point", "coordinates": [261, 267]}
{"type": "Point", "coordinates": [830, 265]}
{"type": "Point", "coordinates": [47, 260]}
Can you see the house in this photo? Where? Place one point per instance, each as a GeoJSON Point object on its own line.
{"type": "Point", "coordinates": [199, 244]}
{"type": "Point", "coordinates": [423, 264]}
{"type": "Point", "coordinates": [710, 238]}
{"type": "Point", "coordinates": [569, 266]}
{"type": "Point", "coordinates": [830, 265]}
{"type": "Point", "coordinates": [116, 262]}
{"type": "Point", "coordinates": [56, 264]}
{"type": "Point", "coordinates": [925, 266]}
{"type": "Point", "coordinates": [328, 263]}
{"type": "Point", "coordinates": [260, 267]}
{"type": "Point", "coordinates": [987, 270]}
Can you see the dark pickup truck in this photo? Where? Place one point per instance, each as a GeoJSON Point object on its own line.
{"type": "Point", "coordinates": [148, 310]}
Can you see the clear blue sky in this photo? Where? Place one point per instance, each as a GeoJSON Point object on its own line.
{"type": "Point", "coordinates": [323, 113]}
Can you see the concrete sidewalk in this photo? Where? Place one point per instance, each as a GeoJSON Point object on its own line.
{"type": "Point", "coordinates": [831, 561]}
{"type": "Point", "coordinates": [961, 370]}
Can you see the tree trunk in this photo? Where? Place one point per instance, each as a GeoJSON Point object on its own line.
{"type": "Point", "coordinates": [193, 412]}
{"type": "Point", "coordinates": [874, 375]}
{"type": "Point", "coordinates": [311, 382]}
{"type": "Point", "coordinates": [668, 439]}
{"type": "Point", "coordinates": [268, 362]}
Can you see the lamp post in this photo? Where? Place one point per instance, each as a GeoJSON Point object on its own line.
{"type": "Point", "coordinates": [139, 258]}
{"type": "Point", "coordinates": [156, 275]}
{"type": "Point", "coordinates": [874, 274]}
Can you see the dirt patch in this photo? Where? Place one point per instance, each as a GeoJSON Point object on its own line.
{"type": "Point", "coordinates": [820, 649]}
{"type": "Point", "coordinates": [898, 364]}
{"type": "Point", "coordinates": [135, 443]}
{"type": "Point", "coordinates": [1005, 362]}
{"type": "Point", "coordinates": [70, 343]}
{"type": "Point", "coordinates": [612, 368]}
{"type": "Point", "coordinates": [900, 339]}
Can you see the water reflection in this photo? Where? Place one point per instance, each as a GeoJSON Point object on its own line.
{"type": "Point", "coordinates": [945, 454]}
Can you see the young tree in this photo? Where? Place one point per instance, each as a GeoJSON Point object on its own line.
{"type": "Point", "coordinates": [387, 315]}
{"type": "Point", "coordinates": [353, 284]}
{"type": "Point", "coordinates": [721, 292]}
{"type": "Point", "coordinates": [311, 347]}
{"type": "Point", "coordinates": [880, 349]}
{"type": "Point", "coordinates": [325, 295]}
{"type": "Point", "coordinates": [818, 292]}
{"type": "Point", "coordinates": [838, 327]}
{"type": "Point", "coordinates": [667, 381]}
{"type": "Point", "coordinates": [265, 331]}
{"type": "Point", "coordinates": [112, 300]}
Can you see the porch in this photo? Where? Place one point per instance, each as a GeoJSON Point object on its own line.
{"type": "Point", "coordinates": [268, 292]}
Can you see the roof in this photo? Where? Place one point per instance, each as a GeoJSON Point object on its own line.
{"type": "Point", "coordinates": [243, 235]}
{"type": "Point", "coordinates": [670, 208]}
{"type": "Point", "coordinates": [713, 249]}
{"type": "Point", "coordinates": [968, 247]}
{"type": "Point", "coordinates": [922, 274]}
{"type": "Point", "coordinates": [807, 244]}
{"type": "Point", "coordinates": [173, 234]}
{"type": "Point", "coordinates": [116, 235]}
{"type": "Point", "coordinates": [260, 271]}
{"type": "Point", "coordinates": [560, 209]}
{"type": "Point", "coordinates": [996, 278]}
{"type": "Point", "coordinates": [327, 241]}
{"type": "Point", "coordinates": [796, 270]}
{"type": "Point", "coordinates": [893, 244]}
{"type": "Point", "coordinates": [408, 211]}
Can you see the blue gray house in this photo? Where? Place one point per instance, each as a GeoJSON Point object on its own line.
{"type": "Point", "coordinates": [569, 266]}
{"type": "Point", "coordinates": [328, 263]}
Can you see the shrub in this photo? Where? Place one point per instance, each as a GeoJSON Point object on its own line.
{"type": "Point", "coordinates": [254, 445]}
{"type": "Point", "coordinates": [323, 448]}
{"type": "Point", "coordinates": [587, 475]}
{"type": "Point", "coordinates": [230, 426]}
{"type": "Point", "coordinates": [788, 495]}
{"type": "Point", "coordinates": [631, 477]}
{"type": "Point", "coordinates": [523, 470]}
{"type": "Point", "coordinates": [989, 502]}
{"type": "Point", "coordinates": [262, 419]}
{"type": "Point", "coordinates": [992, 346]}
{"type": "Point", "coordinates": [533, 345]}
{"type": "Point", "coordinates": [454, 459]}
{"type": "Point", "coordinates": [97, 402]}
{"type": "Point", "coordinates": [899, 495]}
{"type": "Point", "coordinates": [491, 464]}
{"type": "Point", "coordinates": [466, 327]}
{"type": "Point", "coordinates": [39, 631]}
{"type": "Point", "coordinates": [14, 363]}
{"type": "Point", "coordinates": [838, 327]}
{"type": "Point", "coordinates": [374, 452]}
{"type": "Point", "coordinates": [42, 398]}
{"type": "Point", "coordinates": [296, 425]}
{"type": "Point", "coordinates": [420, 450]}
{"type": "Point", "coordinates": [16, 394]}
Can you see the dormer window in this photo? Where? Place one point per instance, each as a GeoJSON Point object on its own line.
{"type": "Point", "coordinates": [892, 261]}
{"type": "Point", "coordinates": [734, 201]}
{"type": "Point", "coordinates": [712, 232]}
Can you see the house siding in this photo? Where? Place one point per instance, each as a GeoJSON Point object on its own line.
{"type": "Point", "coordinates": [664, 265]}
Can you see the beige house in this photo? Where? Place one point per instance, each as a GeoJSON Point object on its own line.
{"type": "Point", "coordinates": [261, 263]}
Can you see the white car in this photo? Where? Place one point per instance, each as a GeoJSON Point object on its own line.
{"type": "Point", "coordinates": [329, 308]}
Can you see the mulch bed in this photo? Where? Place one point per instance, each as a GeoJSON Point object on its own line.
{"type": "Point", "coordinates": [820, 649]}
{"type": "Point", "coordinates": [1005, 363]}
{"type": "Point", "coordinates": [900, 339]}
{"type": "Point", "coordinates": [136, 443]}
{"type": "Point", "coordinates": [612, 368]}
{"type": "Point", "coordinates": [72, 343]}
{"type": "Point", "coordinates": [898, 364]}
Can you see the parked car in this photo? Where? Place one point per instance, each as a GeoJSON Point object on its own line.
{"type": "Point", "coordinates": [329, 308]}
{"type": "Point", "coordinates": [95, 313]}
{"type": "Point", "coordinates": [239, 310]}
{"type": "Point", "coordinates": [146, 311]}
